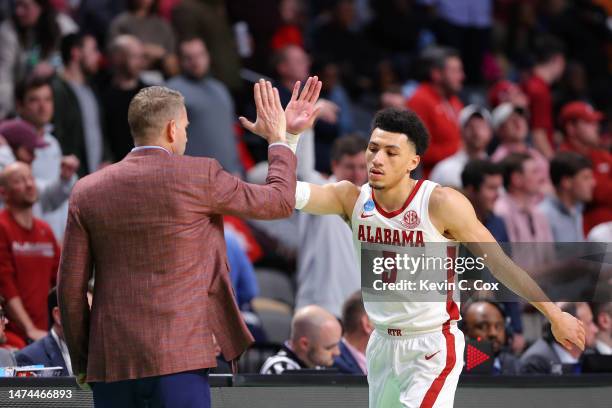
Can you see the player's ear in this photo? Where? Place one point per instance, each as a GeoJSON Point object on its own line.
{"type": "Point", "coordinates": [414, 163]}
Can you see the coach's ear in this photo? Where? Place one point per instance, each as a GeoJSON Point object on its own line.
{"type": "Point", "coordinates": [171, 131]}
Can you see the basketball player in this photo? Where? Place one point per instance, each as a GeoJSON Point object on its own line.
{"type": "Point", "coordinates": [415, 355]}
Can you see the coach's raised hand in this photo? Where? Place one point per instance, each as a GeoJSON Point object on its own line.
{"type": "Point", "coordinates": [301, 112]}
{"type": "Point", "coordinates": [270, 123]}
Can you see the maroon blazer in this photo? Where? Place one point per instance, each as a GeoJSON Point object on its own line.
{"type": "Point", "coordinates": [151, 228]}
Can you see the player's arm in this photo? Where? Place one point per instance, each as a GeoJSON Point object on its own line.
{"type": "Point", "coordinates": [454, 215]}
{"type": "Point", "coordinates": [335, 198]}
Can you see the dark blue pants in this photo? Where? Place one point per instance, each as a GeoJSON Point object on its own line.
{"type": "Point", "coordinates": [188, 389]}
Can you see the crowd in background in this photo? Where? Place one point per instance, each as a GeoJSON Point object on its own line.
{"type": "Point", "coordinates": [515, 95]}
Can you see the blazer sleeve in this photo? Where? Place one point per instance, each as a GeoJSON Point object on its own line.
{"type": "Point", "coordinates": [275, 199]}
{"type": "Point", "coordinates": [74, 273]}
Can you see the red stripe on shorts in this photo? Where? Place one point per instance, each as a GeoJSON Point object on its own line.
{"type": "Point", "coordinates": [451, 358]}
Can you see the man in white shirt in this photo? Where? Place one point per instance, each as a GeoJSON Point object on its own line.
{"type": "Point", "coordinates": [476, 131]}
{"type": "Point", "coordinates": [51, 350]}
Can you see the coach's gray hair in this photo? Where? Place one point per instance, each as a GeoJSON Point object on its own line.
{"type": "Point", "coordinates": [152, 108]}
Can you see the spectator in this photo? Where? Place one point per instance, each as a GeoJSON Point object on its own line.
{"type": "Point", "coordinates": [327, 273]}
{"type": "Point", "coordinates": [209, 21]}
{"type": "Point", "coordinates": [126, 64]}
{"type": "Point", "coordinates": [603, 320]}
{"type": "Point", "coordinates": [510, 124]}
{"type": "Point", "coordinates": [29, 255]}
{"type": "Point", "coordinates": [357, 330]}
{"type": "Point", "coordinates": [482, 181]}
{"type": "Point", "coordinates": [30, 40]}
{"type": "Point", "coordinates": [524, 221]}
{"type": "Point", "coordinates": [51, 350]}
{"type": "Point", "coordinates": [141, 21]}
{"type": "Point", "coordinates": [315, 336]}
{"type": "Point", "coordinates": [548, 68]}
{"type": "Point", "coordinates": [580, 124]}
{"type": "Point", "coordinates": [337, 40]}
{"type": "Point", "coordinates": [436, 103]}
{"type": "Point", "coordinates": [573, 179]}
{"type": "Point", "coordinates": [241, 272]}
{"type": "Point", "coordinates": [23, 142]}
{"type": "Point", "coordinates": [209, 105]}
{"type": "Point", "coordinates": [476, 131]}
{"type": "Point", "coordinates": [35, 106]}
{"type": "Point", "coordinates": [7, 358]}
{"type": "Point", "coordinates": [78, 125]}
{"type": "Point", "coordinates": [506, 91]}
{"type": "Point", "coordinates": [486, 320]}
{"type": "Point", "coordinates": [546, 356]}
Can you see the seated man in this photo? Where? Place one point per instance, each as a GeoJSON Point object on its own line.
{"type": "Point", "coordinates": [546, 356]}
{"type": "Point", "coordinates": [51, 350]}
{"type": "Point", "coordinates": [357, 330]}
{"type": "Point", "coordinates": [602, 313]}
{"type": "Point", "coordinates": [315, 335]}
{"type": "Point", "coordinates": [486, 320]}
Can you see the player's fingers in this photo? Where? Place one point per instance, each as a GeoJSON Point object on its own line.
{"type": "Point", "coordinates": [317, 91]}
{"type": "Point", "coordinates": [247, 124]}
{"type": "Point", "coordinates": [312, 89]}
{"type": "Point", "coordinates": [296, 91]}
{"type": "Point", "coordinates": [304, 92]}
{"type": "Point", "coordinates": [277, 101]}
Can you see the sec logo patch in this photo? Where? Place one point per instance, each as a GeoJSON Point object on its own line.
{"type": "Point", "coordinates": [411, 219]}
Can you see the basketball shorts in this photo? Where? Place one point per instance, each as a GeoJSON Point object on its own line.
{"type": "Point", "coordinates": [414, 370]}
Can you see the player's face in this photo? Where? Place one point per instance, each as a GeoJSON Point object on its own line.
{"type": "Point", "coordinates": [390, 157]}
{"type": "Point", "coordinates": [351, 168]}
{"type": "Point", "coordinates": [584, 314]}
{"type": "Point", "coordinates": [37, 106]}
{"type": "Point", "coordinates": [489, 191]}
{"type": "Point", "coordinates": [484, 321]}
{"type": "Point", "coordinates": [477, 133]}
{"type": "Point", "coordinates": [323, 351]}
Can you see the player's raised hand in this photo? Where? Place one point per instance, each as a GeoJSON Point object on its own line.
{"type": "Point", "coordinates": [270, 123]}
{"type": "Point", "coordinates": [301, 111]}
{"type": "Point", "coordinates": [568, 331]}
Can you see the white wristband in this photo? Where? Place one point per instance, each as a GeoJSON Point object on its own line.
{"type": "Point", "coordinates": [292, 141]}
{"type": "Point", "coordinates": [302, 194]}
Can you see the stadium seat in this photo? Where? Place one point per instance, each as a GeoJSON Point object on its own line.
{"type": "Point", "coordinates": [275, 319]}
{"type": "Point", "coordinates": [274, 284]}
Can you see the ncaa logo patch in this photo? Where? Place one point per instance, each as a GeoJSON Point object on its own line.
{"type": "Point", "coordinates": [368, 206]}
{"type": "Point", "coordinates": [411, 219]}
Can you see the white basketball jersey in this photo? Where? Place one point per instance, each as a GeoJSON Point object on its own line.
{"type": "Point", "coordinates": [406, 226]}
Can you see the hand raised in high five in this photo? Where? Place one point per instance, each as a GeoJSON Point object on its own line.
{"type": "Point", "coordinates": [270, 123]}
{"type": "Point", "coordinates": [301, 111]}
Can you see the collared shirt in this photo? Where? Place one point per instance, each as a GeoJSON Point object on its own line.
{"type": "Point", "coordinates": [64, 349]}
{"type": "Point", "coordinates": [138, 148]}
{"type": "Point", "coordinates": [357, 355]}
{"type": "Point", "coordinates": [603, 348]}
{"type": "Point", "coordinates": [524, 224]}
{"type": "Point", "coordinates": [566, 223]}
{"type": "Point", "coordinates": [564, 355]}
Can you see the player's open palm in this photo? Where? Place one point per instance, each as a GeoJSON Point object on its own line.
{"type": "Point", "coordinates": [568, 331]}
{"type": "Point", "coordinates": [301, 112]}
{"type": "Point", "coordinates": [270, 123]}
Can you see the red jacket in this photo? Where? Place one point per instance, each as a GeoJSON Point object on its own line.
{"type": "Point", "coordinates": [441, 118]}
{"type": "Point", "coordinates": [600, 209]}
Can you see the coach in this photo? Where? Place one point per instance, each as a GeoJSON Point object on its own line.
{"type": "Point", "coordinates": [151, 228]}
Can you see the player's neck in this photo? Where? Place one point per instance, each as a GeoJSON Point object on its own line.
{"type": "Point", "coordinates": [394, 197]}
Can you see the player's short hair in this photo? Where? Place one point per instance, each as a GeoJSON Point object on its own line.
{"type": "Point", "coordinates": [28, 84]}
{"type": "Point", "coordinates": [403, 121]}
{"type": "Point", "coordinates": [348, 145]}
{"type": "Point", "coordinates": [546, 47]}
{"type": "Point", "coordinates": [567, 164]}
{"type": "Point", "coordinates": [513, 163]}
{"type": "Point", "coordinates": [352, 310]}
{"type": "Point", "coordinates": [475, 171]}
{"type": "Point", "coordinates": [152, 108]}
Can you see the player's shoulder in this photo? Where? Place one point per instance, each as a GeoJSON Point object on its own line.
{"type": "Point", "coordinates": [443, 199]}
